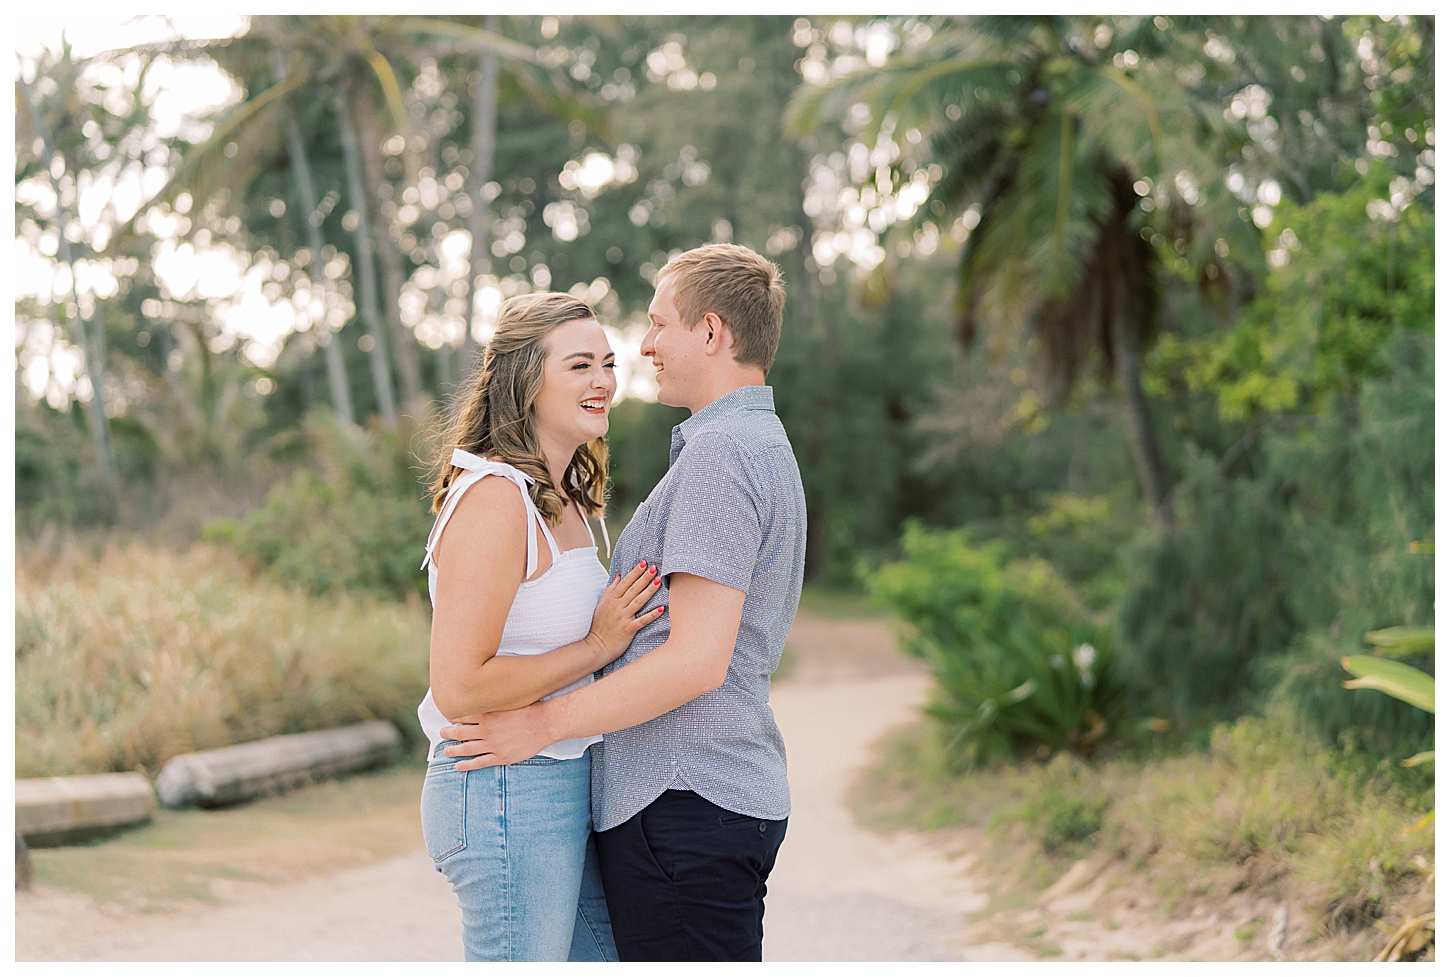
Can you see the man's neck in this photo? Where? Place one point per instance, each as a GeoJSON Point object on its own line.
{"type": "Point", "coordinates": [726, 385]}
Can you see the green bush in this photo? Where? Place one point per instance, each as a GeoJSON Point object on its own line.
{"type": "Point", "coordinates": [1328, 311]}
{"type": "Point", "coordinates": [1204, 605]}
{"type": "Point", "coordinates": [1018, 666]}
{"type": "Point", "coordinates": [1270, 579]}
{"type": "Point", "coordinates": [56, 477]}
{"type": "Point", "coordinates": [358, 520]}
{"type": "Point", "coordinates": [1064, 814]}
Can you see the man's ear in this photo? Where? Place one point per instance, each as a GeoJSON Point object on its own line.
{"type": "Point", "coordinates": [717, 335]}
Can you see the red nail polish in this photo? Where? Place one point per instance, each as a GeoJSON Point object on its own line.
{"type": "Point", "coordinates": [641, 563]}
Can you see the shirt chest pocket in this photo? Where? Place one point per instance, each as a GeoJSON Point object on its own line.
{"type": "Point", "coordinates": [642, 539]}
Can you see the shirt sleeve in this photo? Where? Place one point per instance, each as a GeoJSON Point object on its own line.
{"type": "Point", "coordinates": [713, 528]}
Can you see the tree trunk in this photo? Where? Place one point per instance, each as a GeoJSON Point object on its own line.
{"type": "Point", "coordinates": [1145, 442]}
{"type": "Point", "coordinates": [1128, 318]}
{"type": "Point", "coordinates": [444, 360]}
{"type": "Point", "coordinates": [405, 348]}
{"type": "Point", "coordinates": [366, 265]}
{"type": "Point", "coordinates": [800, 300]}
{"type": "Point", "coordinates": [190, 412]}
{"type": "Point", "coordinates": [332, 348]}
{"type": "Point", "coordinates": [91, 339]}
{"type": "Point", "coordinates": [480, 171]}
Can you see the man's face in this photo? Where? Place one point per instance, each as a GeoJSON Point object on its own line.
{"type": "Point", "coordinates": [674, 348]}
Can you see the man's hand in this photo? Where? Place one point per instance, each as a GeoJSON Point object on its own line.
{"type": "Point", "coordinates": [492, 739]}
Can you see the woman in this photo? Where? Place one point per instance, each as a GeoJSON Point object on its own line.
{"type": "Point", "coordinates": [523, 610]}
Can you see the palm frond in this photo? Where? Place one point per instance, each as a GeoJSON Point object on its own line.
{"type": "Point", "coordinates": [980, 259]}
{"type": "Point", "coordinates": [1007, 31]}
{"type": "Point", "coordinates": [975, 154]}
{"type": "Point", "coordinates": [391, 90]}
{"type": "Point", "coordinates": [811, 105]}
{"type": "Point", "coordinates": [205, 168]}
{"type": "Point", "coordinates": [559, 98]}
{"type": "Point", "coordinates": [468, 36]}
{"type": "Point", "coordinates": [920, 96]}
{"type": "Point", "coordinates": [1145, 104]}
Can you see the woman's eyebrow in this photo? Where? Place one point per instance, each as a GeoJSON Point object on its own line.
{"type": "Point", "coordinates": [587, 356]}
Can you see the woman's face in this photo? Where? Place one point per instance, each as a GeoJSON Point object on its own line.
{"type": "Point", "coordinates": [579, 383]}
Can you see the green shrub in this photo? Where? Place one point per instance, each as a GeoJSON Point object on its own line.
{"type": "Point", "coordinates": [1064, 813]}
{"type": "Point", "coordinates": [1329, 310]}
{"type": "Point", "coordinates": [1017, 665]}
{"type": "Point", "coordinates": [56, 477]}
{"type": "Point", "coordinates": [1366, 491]}
{"type": "Point", "coordinates": [1270, 579]}
{"type": "Point", "coordinates": [358, 521]}
{"type": "Point", "coordinates": [1205, 604]}
{"type": "Point", "coordinates": [126, 660]}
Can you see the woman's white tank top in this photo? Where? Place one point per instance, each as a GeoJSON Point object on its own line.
{"type": "Point", "coordinates": [549, 612]}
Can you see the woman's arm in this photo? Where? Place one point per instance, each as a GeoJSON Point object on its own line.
{"type": "Point", "coordinates": [480, 558]}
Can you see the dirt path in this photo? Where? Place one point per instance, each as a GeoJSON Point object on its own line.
{"type": "Point", "coordinates": [840, 892]}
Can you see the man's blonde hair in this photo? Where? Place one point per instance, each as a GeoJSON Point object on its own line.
{"type": "Point", "coordinates": [745, 290]}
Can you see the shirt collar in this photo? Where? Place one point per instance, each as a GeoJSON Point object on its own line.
{"type": "Point", "coordinates": [735, 402]}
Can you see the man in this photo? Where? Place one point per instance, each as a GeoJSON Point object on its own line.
{"type": "Point", "coordinates": [690, 793]}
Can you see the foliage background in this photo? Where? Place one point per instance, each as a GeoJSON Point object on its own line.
{"type": "Point", "coordinates": [1279, 208]}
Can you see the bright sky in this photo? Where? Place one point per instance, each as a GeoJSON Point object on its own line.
{"type": "Point", "coordinates": [234, 281]}
{"type": "Point", "coordinates": [96, 31]}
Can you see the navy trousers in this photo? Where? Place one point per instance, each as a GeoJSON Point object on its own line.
{"type": "Point", "coordinates": [685, 880]}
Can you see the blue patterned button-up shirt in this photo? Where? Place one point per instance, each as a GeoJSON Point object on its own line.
{"type": "Point", "coordinates": [730, 509]}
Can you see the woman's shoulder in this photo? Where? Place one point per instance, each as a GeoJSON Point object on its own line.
{"type": "Point", "coordinates": [496, 498]}
{"type": "Point", "coordinates": [490, 510]}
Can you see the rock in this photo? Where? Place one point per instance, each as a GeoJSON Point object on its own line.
{"type": "Point", "coordinates": [1079, 875]}
{"type": "Point", "coordinates": [1276, 933]}
{"type": "Point", "coordinates": [58, 810]}
{"type": "Point", "coordinates": [216, 778]}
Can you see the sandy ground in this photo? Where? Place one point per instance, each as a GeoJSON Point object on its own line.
{"type": "Point", "coordinates": [839, 892]}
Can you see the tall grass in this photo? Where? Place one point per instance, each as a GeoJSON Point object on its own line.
{"type": "Point", "coordinates": [128, 657]}
{"type": "Point", "coordinates": [1263, 808]}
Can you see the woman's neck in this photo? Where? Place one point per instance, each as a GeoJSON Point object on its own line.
{"type": "Point", "coordinates": [557, 457]}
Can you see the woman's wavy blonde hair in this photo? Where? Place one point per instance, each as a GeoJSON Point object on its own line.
{"type": "Point", "coordinates": [493, 416]}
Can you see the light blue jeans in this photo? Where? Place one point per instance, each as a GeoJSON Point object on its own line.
{"type": "Point", "coordinates": [515, 843]}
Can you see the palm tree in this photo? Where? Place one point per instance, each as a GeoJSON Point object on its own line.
{"type": "Point", "coordinates": [349, 60]}
{"type": "Point", "coordinates": [297, 156]}
{"type": "Point", "coordinates": [90, 337]}
{"type": "Point", "coordinates": [367, 273]}
{"type": "Point", "coordinates": [405, 349]}
{"type": "Point", "coordinates": [480, 170]}
{"type": "Point", "coordinates": [524, 77]}
{"type": "Point", "coordinates": [1052, 149]}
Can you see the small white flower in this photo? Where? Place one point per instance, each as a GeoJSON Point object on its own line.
{"type": "Point", "coordinates": [1083, 658]}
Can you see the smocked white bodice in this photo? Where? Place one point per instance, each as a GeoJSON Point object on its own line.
{"type": "Point", "coordinates": [548, 612]}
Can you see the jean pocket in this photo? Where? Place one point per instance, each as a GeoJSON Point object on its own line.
{"type": "Point", "coordinates": [444, 809]}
